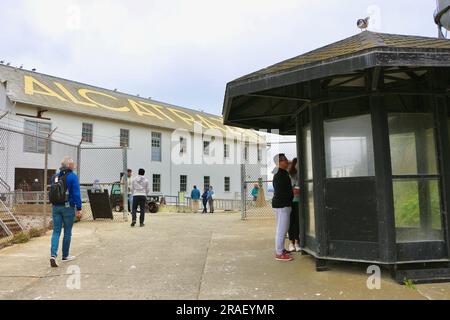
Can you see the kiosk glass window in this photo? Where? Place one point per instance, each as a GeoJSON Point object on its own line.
{"type": "Point", "coordinates": [309, 196]}
{"type": "Point", "coordinates": [349, 147]}
{"type": "Point", "coordinates": [415, 177]}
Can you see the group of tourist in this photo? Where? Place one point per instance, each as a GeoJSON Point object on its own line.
{"type": "Point", "coordinates": [207, 198]}
{"type": "Point", "coordinates": [65, 197]}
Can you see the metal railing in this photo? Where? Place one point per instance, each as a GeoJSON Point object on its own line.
{"type": "Point", "coordinates": [3, 184]}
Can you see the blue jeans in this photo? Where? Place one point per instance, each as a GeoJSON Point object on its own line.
{"type": "Point", "coordinates": [62, 215]}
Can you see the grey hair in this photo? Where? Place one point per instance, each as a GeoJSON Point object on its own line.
{"type": "Point", "coordinates": [66, 161]}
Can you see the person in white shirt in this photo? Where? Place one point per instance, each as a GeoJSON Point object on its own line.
{"type": "Point", "coordinates": [128, 189]}
{"type": "Point", "coordinates": [140, 190]}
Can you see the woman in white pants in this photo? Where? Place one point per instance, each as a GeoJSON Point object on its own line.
{"type": "Point", "coordinates": [282, 205]}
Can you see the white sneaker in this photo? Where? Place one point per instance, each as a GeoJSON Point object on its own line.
{"type": "Point", "coordinates": [69, 258]}
{"type": "Point", "coordinates": [297, 247]}
{"type": "Point", "coordinates": [291, 247]}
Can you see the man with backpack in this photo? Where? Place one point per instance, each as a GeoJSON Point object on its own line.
{"type": "Point", "coordinates": [65, 197]}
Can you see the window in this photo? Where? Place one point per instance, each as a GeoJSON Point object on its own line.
{"type": "Point", "coordinates": [227, 184]}
{"type": "Point", "coordinates": [308, 154]}
{"type": "Point", "coordinates": [156, 146]}
{"type": "Point", "coordinates": [183, 145]}
{"type": "Point", "coordinates": [183, 183]}
{"type": "Point", "coordinates": [206, 182]}
{"type": "Point", "coordinates": [156, 183]}
{"type": "Point", "coordinates": [259, 154]}
{"type": "Point", "coordinates": [124, 137]}
{"type": "Point", "coordinates": [310, 216]}
{"type": "Point", "coordinates": [226, 151]}
{"type": "Point", "coordinates": [32, 142]}
{"type": "Point", "coordinates": [87, 132]}
{"type": "Point", "coordinates": [246, 148]}
{"type": "Point", "coordinates": [415, 177]}
{"type": "Point", "coordinates": [349, 147]}
{"type": "Point", "coordinates": [206, 145]}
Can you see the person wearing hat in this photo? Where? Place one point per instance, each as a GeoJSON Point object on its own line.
{"type": "Point", "coordinates": [282, 205]}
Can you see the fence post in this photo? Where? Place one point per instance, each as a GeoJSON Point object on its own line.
{"type": "Point", "coordinates": [44, 207]}
{"type": "Point", "coordinates": [243, 193]}
{"type": "Point", "coordinates": [79, 160]}
{"type": "Point", "coordinates": [125, 181]}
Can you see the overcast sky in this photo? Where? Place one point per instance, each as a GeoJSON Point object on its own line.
{"type": "Point", "coordinates": [185, 51]}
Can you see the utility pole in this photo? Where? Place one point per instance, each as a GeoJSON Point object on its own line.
{"type": "Point", "coordinates": [47, 140]}
{"type": "Point", "coordinates": [125, 182]}
{"type": "Point", "coordinates": [79, 159]}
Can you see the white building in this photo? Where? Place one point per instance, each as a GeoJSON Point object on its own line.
{"type": "Point", "coordinates": [177, 147]}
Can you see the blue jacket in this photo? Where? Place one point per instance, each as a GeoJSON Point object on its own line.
{"type": "Point", "coordinates": [205, 196]}
{"type": "Point", "coordinates": [195, 194]}
{"type": "Point", "coordinates": [73, 187]}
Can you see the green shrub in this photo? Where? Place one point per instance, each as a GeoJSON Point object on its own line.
{"type": "Point", "coordinates": [35, 233]}
{"type": "Point", "coordinates": [21, 237]}
{"type": "Point", "coordinates": [410, 284]}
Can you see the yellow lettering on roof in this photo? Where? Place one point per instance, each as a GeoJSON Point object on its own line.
{"type": "Point", "coordinates": [72, 97]}
{"type": "Point", "coordinates": [142, 110]}
{"type": "Point", "coordinates": [86, 92]}
{"type": "Point", "coordinates": [159, 109]}
{"type": "Point", "coordinates": [210, 124]}
{"type": "Point", "coordinates": [30, 89]}
{"type": "Point", "coordinates": [186, 117]}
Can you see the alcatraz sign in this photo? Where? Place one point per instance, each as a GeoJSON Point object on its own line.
{"type": "Point", "coordinates": [101, 100]}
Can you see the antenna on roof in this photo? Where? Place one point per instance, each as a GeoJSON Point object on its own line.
{"type": "Point", "coordinates": [442, 16]}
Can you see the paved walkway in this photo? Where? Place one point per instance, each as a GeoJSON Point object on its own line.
{"type": "Point", "coordinates": [180, 256]}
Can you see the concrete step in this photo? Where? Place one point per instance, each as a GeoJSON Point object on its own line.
{"type": "Point", "coordinates": [420, 276]}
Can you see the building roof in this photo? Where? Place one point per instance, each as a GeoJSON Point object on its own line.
{"type": "Point", "coordinates": [361, 42]}
{"type": "Point", "coordinates": [270, 98]}
{"type": "Point", "coordinates": [53, 93]}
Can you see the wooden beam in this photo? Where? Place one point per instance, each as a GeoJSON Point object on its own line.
{"type": "Point", "coordinates": [383, 175]}
{"type": "Point", "coordinates": [345, 82]}
{"type": "Point", "coordinates": [277, 97]}
{"type": "Point", "coordinates": [375, 79]}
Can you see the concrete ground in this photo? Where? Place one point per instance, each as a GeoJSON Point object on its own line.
{"type": "Point", "coordinates": [185, 256]}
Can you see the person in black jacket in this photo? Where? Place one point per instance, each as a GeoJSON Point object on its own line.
{"type": "Point", "coordinates": [282, 205]}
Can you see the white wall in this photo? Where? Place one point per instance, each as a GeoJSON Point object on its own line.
{"type": "Point", "coordinates": [107, 164]}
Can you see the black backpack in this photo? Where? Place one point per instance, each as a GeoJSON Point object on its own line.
{"type": "Point", "coordinates": [58, 189]}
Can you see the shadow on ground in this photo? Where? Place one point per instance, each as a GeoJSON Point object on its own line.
{"type": "Point", "coordinates": [186, 256]}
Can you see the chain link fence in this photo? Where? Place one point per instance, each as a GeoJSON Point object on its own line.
{"type": "Point", "coordinates": [28, 161]}
{"type": "Point", "coordinates": [97, 177]}
{"type": "Point", "coordinates": [257, 188]}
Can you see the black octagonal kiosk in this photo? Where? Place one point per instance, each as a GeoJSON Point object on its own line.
{"type": "Point", "coordinates": [372, 116]}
